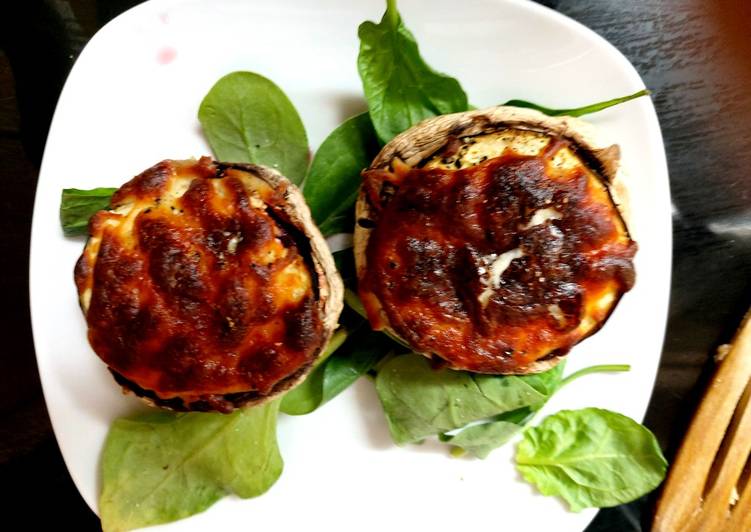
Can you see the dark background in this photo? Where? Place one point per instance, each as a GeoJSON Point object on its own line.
{"type": "Point", "coordinates": [695, 55]}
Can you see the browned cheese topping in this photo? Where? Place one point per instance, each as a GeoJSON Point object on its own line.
{"type": "Point", "coordinates": [195, 285]}
{"type": "Point", "coordinates": [495, 265]}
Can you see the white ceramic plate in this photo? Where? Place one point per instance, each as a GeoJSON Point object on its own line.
{"type": "Point", "coordinates": [131, 100]}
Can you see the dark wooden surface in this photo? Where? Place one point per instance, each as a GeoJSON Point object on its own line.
{"type": "Point", "coordinates": [695, 55]}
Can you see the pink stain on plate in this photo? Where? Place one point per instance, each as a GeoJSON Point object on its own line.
{"type": "Point", "coordinates": [164, 17]}
{"type": "Point", "coordinates": [166, 55]}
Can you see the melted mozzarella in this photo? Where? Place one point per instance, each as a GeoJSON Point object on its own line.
{"type": "Point", "coordinates": [498, 265]}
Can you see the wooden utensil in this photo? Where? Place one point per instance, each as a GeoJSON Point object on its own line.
{"type": "Point", "coordinates": [707, 488]}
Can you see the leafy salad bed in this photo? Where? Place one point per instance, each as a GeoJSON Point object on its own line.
{"type": "Point", "coordinates": [163, 466]}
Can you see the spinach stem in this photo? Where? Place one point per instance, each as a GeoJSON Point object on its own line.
{"type": "Point", "coordinates": [392, 13]}
{"type": "Point", "coordinates": [601, 368]}
{"type": "Point", "coordinates": [578, 111]}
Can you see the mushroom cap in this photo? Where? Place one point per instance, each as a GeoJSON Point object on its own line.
{"type": "Point", "coordinates": [420, 144]}
{"type": "Point", "coordinates": [289, 211]}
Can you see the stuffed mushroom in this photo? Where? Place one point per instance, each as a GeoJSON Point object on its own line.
{"type": "Point", "coordinates": [206, 286]}
{"type": "Point", "coordinates": [493, 240]}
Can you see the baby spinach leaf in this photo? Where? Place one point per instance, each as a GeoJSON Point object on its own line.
{"type": "Point", "coordinates": [77, 206]}
{"type": "Point", "coordinates": [591, 458]}
{"type": "Point", "coordinates": [355, 358]}
{"type": "Point", "coordinates": [334, 177]}
{"type": "Point", "coordinates": [305, 397]}
{"type": "Point", "coordinates": [420, 401]}
{"type": "Point", "coordinates": [344, 368]}
{"type": "Point", "coordinates": [401, 89]}
{"type": "Point", "coordinates": [480, 440]}
{"type": "Point", "coordinates": [248, 119]}
{"type": "Point", "coordinates": [161, 466]}
{"type": "Point", "coordinates": [578, 111]}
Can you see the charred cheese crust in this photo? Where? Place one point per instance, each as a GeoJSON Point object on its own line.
{"type": "Point", "coordinates": [491, 239]}
{"type": "Point", "coordinates": [206, 286]}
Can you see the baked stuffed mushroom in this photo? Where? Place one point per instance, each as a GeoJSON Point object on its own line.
{"type": "Point", "coordinates": [491, 240]}
{"type": "Point", "coordinates": [206, 286]}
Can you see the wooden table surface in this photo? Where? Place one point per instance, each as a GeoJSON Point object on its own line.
{"type": "Point", "coordinates": [695, 55]}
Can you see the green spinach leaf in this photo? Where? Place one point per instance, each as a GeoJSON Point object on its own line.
{"type": "Point", "coordinates": [161, 466]}
{"type": "Point", "coordinates": [344, 368]}
{"type": "Point", "coordinates": [356, 357]}
{"type": "Point", "coordinates": [578, 111]}
{"type": "Point", "coordinates": [334, 177]}
{"type": "Point", "coordinates": [401, 89]}
{"type": "Point", "coordinates": [591, 458]}
{"type": "Point", "coordinates": [419, 401]}
{"type": "Point", "coordinates": [482, 438]}
{"type": "Point", "coordinates": [248, 119]}
{"type": "Point", "coordinates": [77, 206]}
{"type": "Point", "coordinates": [479, 440]}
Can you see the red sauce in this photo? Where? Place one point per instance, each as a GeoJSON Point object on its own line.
{"type": "Point", "coordinates": [184, 312]}
{"type": "Point", "coordinates": [437, 233]}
